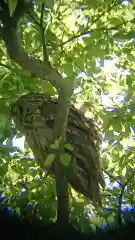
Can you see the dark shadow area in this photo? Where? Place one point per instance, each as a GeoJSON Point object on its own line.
{"type": "Point", "coordinates": [13, 226]}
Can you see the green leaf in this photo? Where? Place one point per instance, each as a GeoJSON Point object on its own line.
{"type": "Point", "coordinates": [116, 20]}
{"type": "Point", "coordinates": [69, 146]}
{"type": "Point", "coordinates": [50, 3]}
{"type": "Point", "coordinates": [48, 88]}
{"type": "Point", "coordinates": [65, 159]}
{"type": "Point", "coordinates": [3, 169]}
{"type": "Point", "coordinates": [121, 35]}
{"type": "Point", "coordinates": [9, 144]}
{"type": "Point", "coordinates": [15, 168]}
{"type": "Point", "coordinates": [116, 123]}
{"type": "Point", "coordinates": [12, 6]}
{"type": "Point", "coordinates": [56, 143]}
{"type": "Point", "coordinates": [49, 160]}
{"type": "Point", "coordinates": [124, 171]}
{"type": "Point", "coordinates": [68, 68]}
{"type": "Point", "coordinates": [1, 53]}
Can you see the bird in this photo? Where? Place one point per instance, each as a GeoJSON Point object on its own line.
{"type": "Point", "coordinates": [34, 113]}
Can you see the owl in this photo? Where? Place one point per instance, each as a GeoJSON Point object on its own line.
{"type": "Point", "coordinates": [34, 114]}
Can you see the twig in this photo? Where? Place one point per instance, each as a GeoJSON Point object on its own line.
{"type": "Point", "coordinates": [119, 219]}
{"type": "Point", "coordinates": [86, 30]}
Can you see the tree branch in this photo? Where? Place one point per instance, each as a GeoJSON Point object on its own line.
{"type": "Point", "coordinates": [35, 66]}
{"type": "Point", "coordinates": [119, 219]}
{"type": "Point", "coordinates": [88, 30]}
{"type": "Point", "coordinates": [17, 53]}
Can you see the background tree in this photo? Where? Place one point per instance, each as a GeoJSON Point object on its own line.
{"type": "Point", "coordinates": [78, 38]}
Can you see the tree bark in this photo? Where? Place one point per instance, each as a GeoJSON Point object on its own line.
{"type": "Point", "coordinates": [61, 181]}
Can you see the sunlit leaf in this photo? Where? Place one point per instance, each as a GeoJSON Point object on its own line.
{"type": "Point", "coordinates": [56, 143]}
{"type": "Point", "coordinates": [124, 171]}
{"type": "Point", "coordinates": [69, 146]}
{"type": "Point", "coordinates": [48, 88]}
{"type": "Point", "coordinates": [12, 6]}
{"type": "Point", "coordinates": [49, 160]}
{"type": "Point", "coordinates": [65, 159]}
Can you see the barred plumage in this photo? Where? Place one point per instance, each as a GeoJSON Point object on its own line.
{"type": "Point", "coordinates": [34, 115]}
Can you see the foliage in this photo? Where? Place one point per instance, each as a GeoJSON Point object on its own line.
{"type": "Point", "coordinates": [82, 37]}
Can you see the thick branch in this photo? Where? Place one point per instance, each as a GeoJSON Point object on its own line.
{"type": "Point", "coordinates": [20, 56]}
{"type": "Point", "coordinates": [61, 181]}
